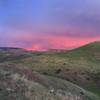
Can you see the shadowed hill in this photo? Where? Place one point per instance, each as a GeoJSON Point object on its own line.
{"type": "Point", "coordinates": [9, 48]}
{"type": "Point", "coordinates": [10, 54]}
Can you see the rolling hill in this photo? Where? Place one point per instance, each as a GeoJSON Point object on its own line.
{"type": "Point", "coordinates": [23, 84]}
{"type": "Point", "coordinates": [75, 72]}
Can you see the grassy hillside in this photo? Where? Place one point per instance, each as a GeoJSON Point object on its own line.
{"type": "Point", "coordinates": [23, 84]}
{"type": "Point", "coordinates": [80, 66]}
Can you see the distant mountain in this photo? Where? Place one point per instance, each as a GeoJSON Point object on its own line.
{"type": "Point", "coordinates": [9, 48]}
{"type": "Point", "coordinates": [10, 53]}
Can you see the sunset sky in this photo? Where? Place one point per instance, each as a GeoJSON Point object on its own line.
{"type": "Point", "coordinates": [49, 24]}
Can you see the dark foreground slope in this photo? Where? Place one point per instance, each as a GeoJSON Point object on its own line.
{"type": "Point", "coordinates": [23, 84]}
{"type": "Point", "coordinates": [80, 66]}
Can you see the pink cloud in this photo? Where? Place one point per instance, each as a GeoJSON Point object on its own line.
{"type": "Point", "coordinates": [44, 42]}
{"type": "Point", "coordinates": [60, 43]}
{"type": "Point", "coordinates": [68, 42]}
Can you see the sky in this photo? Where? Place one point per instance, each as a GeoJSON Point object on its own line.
{"type": "Point", "coordinates": [49, 24]}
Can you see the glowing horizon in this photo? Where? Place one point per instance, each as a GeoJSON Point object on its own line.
{"type": "Point", "coordinates": [49, 24]}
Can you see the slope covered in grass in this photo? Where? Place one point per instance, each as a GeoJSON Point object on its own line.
{"type": "Point", "coordinates": [80, 66]}
{"type": "Point", "coordinates": [23, 84]}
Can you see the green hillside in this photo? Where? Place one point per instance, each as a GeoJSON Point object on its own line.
{"type": "Point", "coordinates": [80, 66]}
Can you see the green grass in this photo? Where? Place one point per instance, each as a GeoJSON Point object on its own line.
{"type": "Point", "coordinates": [93, 88]}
